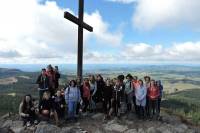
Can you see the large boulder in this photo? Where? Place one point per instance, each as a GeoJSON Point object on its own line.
{"type": "Point", "coordinates": [115, 127]}
{"type": "Point", "coordinates": [47, 128]}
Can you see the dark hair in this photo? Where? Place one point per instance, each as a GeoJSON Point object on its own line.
{"type": "Point", "coordinates": [120, 77]}
{"type": "Point", "coordinates": [101, 78]}
{"type": "Point", "coordinates": [43, 69]}
{"type": "Point", "coordinates": [70, 83]}
{"type": "Point", "coordinates": [147, 77]}
{"type": "Point", "coordinates": [141, 81]}
{"type": "Point", "coordinates": [24, 104]}
{"type": "Point", "coordinates": [129, 75]}
{"type": "Point", "coordinates": [153, 81]}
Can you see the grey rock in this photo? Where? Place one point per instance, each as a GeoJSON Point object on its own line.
{"type": "Point", "coordinates": [116, 127]}
{"type": "Point", "coordinates": [131, 131]}
{"type": "Point", "coordinates": [47, 129]}
{"type": "Point", "coordinates": [98, 116]}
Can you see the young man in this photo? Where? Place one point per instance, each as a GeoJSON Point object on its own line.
{"type": "Point", "coordinates": [57, 77]}
{"type": "Point", "coordinates": [43, 83]}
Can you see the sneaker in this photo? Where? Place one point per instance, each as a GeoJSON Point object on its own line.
{"type": "Point", "coordinates": [28, 124]}
{"type": "Point", "coordinates": [36, 122]}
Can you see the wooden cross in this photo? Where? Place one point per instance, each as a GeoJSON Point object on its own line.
{"type": "Point", "coordinates": [81, 25]}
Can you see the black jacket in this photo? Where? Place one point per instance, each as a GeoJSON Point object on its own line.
{"type": "Point", "coordinates": [43, 82]}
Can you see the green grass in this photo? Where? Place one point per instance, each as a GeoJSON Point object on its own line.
{"type": "Point", "coordinates": [185, 103]}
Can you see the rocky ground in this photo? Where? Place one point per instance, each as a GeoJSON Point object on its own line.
{"type": "Point", "coordinates": [93, 123]}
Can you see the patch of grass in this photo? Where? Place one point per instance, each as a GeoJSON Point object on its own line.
{"type": "Point", "coordinates": [185, 103]}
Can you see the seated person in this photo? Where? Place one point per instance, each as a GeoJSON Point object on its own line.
{"type": "Point", "coordinates": [47, 108]}
{"type": "Point", "coordinates": [27, 111]}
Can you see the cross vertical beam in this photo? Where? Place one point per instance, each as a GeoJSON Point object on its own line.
{"type": "Point", "coordinates": [80, 41]}
{"type": "Point", "coordinates": [81, 25]}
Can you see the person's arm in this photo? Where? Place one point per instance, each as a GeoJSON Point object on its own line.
{"type": "Point", "coordinates": [38, 79]}
{"type": "Point", "coordinates": [21, 112]}
{"type": "Point", "coordinates": [95, 89]}
{"type": "Point", "coordinates": [144, 94]}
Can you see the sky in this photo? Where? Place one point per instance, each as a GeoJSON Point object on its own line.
{"type": "Point", "coordinates": [125, 32]}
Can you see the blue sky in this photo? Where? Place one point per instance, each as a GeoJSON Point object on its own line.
{"type": "Point", "coordinates": [125, 31]}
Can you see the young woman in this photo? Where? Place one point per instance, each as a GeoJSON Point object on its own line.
{"type": "Point", "coordinates": [135, 83]}
{"type": "Point", "coordinates": [160, 86]}
{"type": "Point", "coordinates": [140, 94]}
{"type": "Point", "coordinates": [116, 98]}
{"type": "Point", "coordinates": [147, 80]}
{"type": "Point", "coordinates": [47, 108]}
{"type": "Point", "coordinates": [59, 104]}
{"type": "Point", "coordinates": [93, 89]}
{"type": "Point", "coordinates": [100, 87]}
{"type": "Point", "coordinates": [52, 79]}
{"type": "Point", "coordinates": [27, 111]}
{"type": "Point", "coordinates": [107, 95]}
{"type": "Point", "coordinates": [72, 97]}
{"type": "Point", "coordinates": [129, 92]}
{"type": "Point", "coordinates": [86, 94]}
{"type": "Point", "coordinates": [153, 94]}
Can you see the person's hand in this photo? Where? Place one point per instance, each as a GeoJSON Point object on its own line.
{"type": "Point", "coordinates": [61, 105]}
{"type": "Point", "coordinates": [32, 109]}
{"type": "Point", "coordinates": [51, 114]}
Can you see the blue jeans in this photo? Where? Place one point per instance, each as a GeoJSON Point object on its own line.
{"type": "Point", "coordinates": [72, 105]}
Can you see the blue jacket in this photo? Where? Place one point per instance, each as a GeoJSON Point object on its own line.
{"type": "Point", "coordinates": [72, 94]}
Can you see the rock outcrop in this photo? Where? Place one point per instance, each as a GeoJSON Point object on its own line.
{"type": "Point", "coordinates": [93, 123]}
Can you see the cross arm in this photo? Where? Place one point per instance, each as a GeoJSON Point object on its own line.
{"type": "Point", "coordinates": [75, 20]}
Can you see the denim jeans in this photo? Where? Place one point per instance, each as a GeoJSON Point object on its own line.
{"type": "Point", "coordinates": [72, 109]}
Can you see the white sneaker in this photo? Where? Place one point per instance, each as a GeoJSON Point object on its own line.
{"type": "Point", "coordinates": [28, 124]}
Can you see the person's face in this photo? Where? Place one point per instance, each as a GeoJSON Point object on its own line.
{"type": "Point", "coordinates": [147, 80]}
{"type": "Point", "coordinates": [128, 79]}
{"type": "Point", "coordinates": [46, 96]}
{"type": "Point", "coordinates": [98, 78]}
{"type": "Point", "coordinates": [140, 82]}
{"type": "Point", "coordinates": [43, 72]}
{"type": "Point", "coordinates": [153, 82]}
{"type": "Point", "coordinates": [58, 93]}
{"type": "Point", "coordinates": [27, 99]}
{"type": "Point", "coordinates": [72, 83]}
{"type": "Point", "coordinates": [108, 83]}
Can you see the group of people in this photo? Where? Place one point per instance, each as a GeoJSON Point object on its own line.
{"type": "Point", "coordinates": [94, 94]}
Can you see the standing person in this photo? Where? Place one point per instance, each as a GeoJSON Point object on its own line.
{"type": "Point", "coordinates": [57, 77]}
{"type": "Point", "coordinates": [86, 94]}
{"type": "Point", "coordinates": [59, 104]}
{"type": "Point", "coordinates": [116, 99]}
{"type": "Point", "coordinates": [147, 83]}
{"type": "Point", "coordinates": [107, 95]}
{"type": "Point", "coordinates": [27, 111]}
{"type": "Point", "coordinates": [72, 97]}
{"type": "Point", "coordinates": [47, 108]}
{"type": "Point", "coordinates": [43, 83]}
{"type": "Point", "coordinates": [160, 86]}
{"type": "Point", "coordinates": [93, 89]}
{"type": "Point", "coordinates": [51, 76]}
{"type": "Point", "coordinates": [129, 91]}
{"type": "Point", "coordinates": [100, 86]}
{"type": "Point", "coordinates": [153, 94]}
{"type": "Point", "coordinates": [140, 94]}
{"type": "Point", "coordinates": [135, 83]}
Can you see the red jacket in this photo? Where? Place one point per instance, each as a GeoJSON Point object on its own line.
{"type": "Point", "coordinates": [86, 92]}
{"type": "Point", "coordinates": [153, 92]}
{"type": "Point", "coordinates": [136, 84]}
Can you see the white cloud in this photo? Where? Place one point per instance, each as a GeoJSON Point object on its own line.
{"type": "Point", "coordinates": [151, 14]}
{"type": "Point", "coordinates": [178, 52]}
{"type": "Point", "coordinates": [39, 33]}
